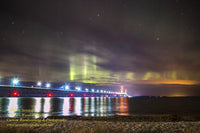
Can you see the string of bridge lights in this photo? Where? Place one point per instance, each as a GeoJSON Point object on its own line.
{"type": "Point", "coordinates": [16, 82]}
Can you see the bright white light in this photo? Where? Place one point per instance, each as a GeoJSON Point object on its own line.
{"type": "Point", "coordinates": [101, 91]}
{"type": "Point", "coordinates": [48, 85]}
{"type": "Point", "coordinates": [15, 81]}
{"type": "Point", "coordinates": [78, 88]}
{"type": "Point", "coordinates": [97, 90]}
{"type": "Point", "coordinates": [92, 90]}
{"type": "Point", "coordinates": [86, 89]}
{"type": "Point", "coordinates": [104, 91]}
{"type": "Point", "coordinates": [66, 87]}
{"type": "Point", "coordinates": [39, 83]}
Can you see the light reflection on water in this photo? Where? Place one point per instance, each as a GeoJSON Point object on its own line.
{"type": "Point", "coordinates": [43, 107]}
{"type": "Point", "coordinates": [37, 107]}
{"type": "Point", "coordinates": [46, 107]}
{"type": "Point", "coordinates": [77, 106]}
{"type": "Point", "coordinates": [66, 106]}
{"type": "Point", "coordinates": [123, 106]}
{"type": "Point", "coordinates": [12, 107]}
{"type": "Point", "coordinates": [92, 106]}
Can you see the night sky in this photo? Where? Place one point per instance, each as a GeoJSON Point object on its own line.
{"type": "Point", "coordinates": [113, 42]}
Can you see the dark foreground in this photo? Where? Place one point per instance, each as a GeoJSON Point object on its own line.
{"type": "Point", "coordinates": [118, 124]}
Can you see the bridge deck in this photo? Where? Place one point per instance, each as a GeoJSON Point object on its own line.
{"type": "Point", "coordinates": [23, 91]}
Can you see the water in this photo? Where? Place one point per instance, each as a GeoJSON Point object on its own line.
{"type": "Point", "coordinates": [43, 107]}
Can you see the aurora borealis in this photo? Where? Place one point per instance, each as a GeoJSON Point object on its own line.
{"type": "Point", "coordinates": [112, 42]}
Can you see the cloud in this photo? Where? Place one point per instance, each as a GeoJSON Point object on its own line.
{"type": "Point", "coordinates": [41, 43]}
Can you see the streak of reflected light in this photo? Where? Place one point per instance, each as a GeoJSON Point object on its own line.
{"type": "Point", "coordinates": [66, 106]}
{"type": "Point", "coordinates": [71, 105]}
{"type": "Point", "coordinates": [12, 107]}
{"type": "Point", "coordinates": [47, 106]}
{"type": "Point", "coordinates": [101, 106]}
{"type": "Point", "coordinates": [92, 107]}
{"type": "Point", "coordinates": [37, 107]}
{"type": "Point", "coordinates": [86, 106]}
{"type": "Point", "coordinates": [123, 106]}
{"type": "Point", "coordinates": [78, 106]}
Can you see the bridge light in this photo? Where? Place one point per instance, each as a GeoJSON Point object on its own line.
{"type": "Point", "coordinates": [104, 91]}
{"type": "Point", "coordinates": [15, 94]}
{"type": "Point", "coordinates": [66, 87]}
{"type": "Point", "coordinates": [91, 95]}
{"type": "Point", "coordinates": [97, 90]}
{"type": "Point", "coordinates": [86, 89]}
{"type": "Point", "coordinates": [48, 85]}
{"type": "Point", "coordinates": [92, 90]}
{"type": "Point", "coordinates": [39, 83]}
{"type": "Point", "coordinates": [101, 91]}
{"type": "Point", "coordinates": [78, 88]}
{"type": "Point", "coordinates": [84, 95]}
{"type": "Point", "coordinates": [71, 94]}
{"type": "Point", "coordinates": [49, 94]}
{"type": "Point", "coordinates": [15, 81]}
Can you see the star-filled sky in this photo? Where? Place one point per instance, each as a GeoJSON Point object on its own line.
{"type": "Point", "coordinates": [112, 42]}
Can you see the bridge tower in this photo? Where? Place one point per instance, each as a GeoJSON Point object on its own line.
{"type": "Point", "coordinates": [125, 91]}
{"type": "Point", "coordinates": [122, 89]}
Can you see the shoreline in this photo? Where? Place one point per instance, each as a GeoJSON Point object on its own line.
{"type": "Point", "coordinates": [133, 118]}
{"type": "Point", "coordinates": [119, 124]}
{"type": "Point", "coordinates": [123, 118]}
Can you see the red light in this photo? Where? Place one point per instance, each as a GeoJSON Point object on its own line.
{"type": "Point", "coordinates": [15, 93]}
{"type": "Point", "coordinates": [71, 95]}
{"type": "Point", "coordinates": [92, 95]}
{"type": "Point", "coordinates": [104, 95]}
{"type": "Point", "coordinates": [84, 95]}
{"type": "Point", "coordinates": [49, 95]}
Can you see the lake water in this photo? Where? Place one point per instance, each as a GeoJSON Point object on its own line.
{"type": "Point", "coordinates": [42, 107]}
